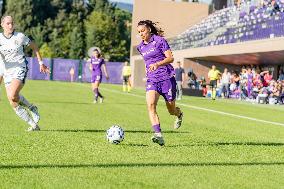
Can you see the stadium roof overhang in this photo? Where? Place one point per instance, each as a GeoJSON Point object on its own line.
{"type": "Point", "coordinates": [274, 57]}
{"type": "Point", "coordinates": [267, 51]}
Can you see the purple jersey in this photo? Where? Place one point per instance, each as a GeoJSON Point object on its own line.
{"type": "Point", "coordinates": [153, 52]}
{"type": "Point", "coordinates": [96, 65]}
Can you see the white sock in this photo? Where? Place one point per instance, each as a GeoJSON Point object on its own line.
{"type": "Point", "coordinates": [158, 134]}
{"type": "Point", "coordinates": [24, 115]}
{"type": "Point", "coordinates": [25, 102]}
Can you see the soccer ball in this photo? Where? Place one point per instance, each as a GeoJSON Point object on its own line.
{"type": "Point", "coordinates": [115, 134]}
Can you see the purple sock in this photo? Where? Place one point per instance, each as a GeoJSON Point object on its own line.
{"type": "Point", "coordinates": [156, 128]}
{"type": "Point", "coordinates": [96, 91]}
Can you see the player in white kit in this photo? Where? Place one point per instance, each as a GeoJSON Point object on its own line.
{"type": "Point", "coordinates": [15, 70]}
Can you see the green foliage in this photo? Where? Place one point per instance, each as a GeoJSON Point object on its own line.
{"type": "Point", "coordinates": [46, 51]}
{"type": "Point", "coordinates": [106, 31]}
{"type": "Point", "coordinates": [22, 11]}
{"type": "Point", "coordinates": [60, 24]}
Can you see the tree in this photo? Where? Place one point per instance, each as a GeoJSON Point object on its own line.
{"type": "Point", "coordinates": [21, 9]}
{"type": "Point", "coordinates": [45, 51]}
{"type": "Point", "coordinates": [101, 31]}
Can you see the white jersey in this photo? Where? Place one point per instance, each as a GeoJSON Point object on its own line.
{"type": "Point", "coordinates": [12, 49]}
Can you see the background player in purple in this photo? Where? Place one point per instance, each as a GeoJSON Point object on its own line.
{"type": "Point", "coordinates": [96, 62]}
{"type": "Point", "coordinates": [160, 75]}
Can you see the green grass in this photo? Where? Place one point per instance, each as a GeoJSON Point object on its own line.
{"type": "Point", "coordinates": [209, 151]}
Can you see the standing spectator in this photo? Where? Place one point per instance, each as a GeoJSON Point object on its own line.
{"type": "Point", "coordinates": [213, 76]}
{"type": "Point", "coordinates": [249, 82]}
{"type": "Point", "coordinates": [225, 82]}
{"type": "Point", "coordinates": [281, 75]}
{"type": "Point", "coordinates": [179, 75]}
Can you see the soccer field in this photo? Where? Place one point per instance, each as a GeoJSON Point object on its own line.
{"type": "Point", "coordinates": [222, 144]}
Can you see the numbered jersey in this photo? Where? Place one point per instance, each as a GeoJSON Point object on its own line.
{"type": "Point", "coordinates": [12, 50]}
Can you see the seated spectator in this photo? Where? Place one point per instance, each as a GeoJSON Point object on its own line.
{"type": "Point", "coordinates": [267, 77]}
{"type": "Point", "coordinates": [202, 85]}
{"type": "Point", "coordinates": [276, 92]}
{"type": "Point", "coordinates": [235, 81]}
{"type": "Point", "coordinates": [191, 79]}
{"type": "Point", "coordinates": [243, 83]}
{"type": "Point", "coordinates": [275, 7]}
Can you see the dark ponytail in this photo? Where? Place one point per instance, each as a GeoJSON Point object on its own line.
{"type": "Point", "coordinates": [153, 27]}
{"type": "Point", "coordinates": [99, 56]}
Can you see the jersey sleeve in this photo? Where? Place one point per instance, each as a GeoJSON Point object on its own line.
{"type": "Point", "coordinates": [138, 49]}
{"type": "Point", "coordinates": [26, 40]}
{"type": "Point", "coordinates": [163, 45]}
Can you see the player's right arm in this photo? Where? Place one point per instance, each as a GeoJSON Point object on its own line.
{"type": "Point", "coordinates": [43, 68]}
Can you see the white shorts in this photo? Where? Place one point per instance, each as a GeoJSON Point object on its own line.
{"type": "Point", "coordinates": [19, 73]}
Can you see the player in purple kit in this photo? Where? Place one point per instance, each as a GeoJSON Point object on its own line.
{"type": "Point", "coordinates": [160, 75]}
{"type": "Point", "coordinates": [96, 62]}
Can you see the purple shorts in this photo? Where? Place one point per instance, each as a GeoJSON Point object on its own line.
{"type": "Point", "coordinates": [165, 88]}
{"type": "Point", "coordinates": [96, 78]}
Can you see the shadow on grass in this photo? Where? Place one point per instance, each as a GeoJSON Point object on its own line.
{"type": "Point", "coordinates": [142, 165]}
{"type": "Point", "coordinates": [63, 102]}
{"type": "Point", "coordinates": [89, 103]}
{"type": "Point", "coordinates": [103, 131]}
{"type": "Point", "coordinates": [132, 144]}
{"type": "Point", "coordinates": [230, 143]}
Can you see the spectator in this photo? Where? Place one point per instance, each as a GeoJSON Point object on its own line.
{"type": "Point", "coordinates": [202, 85]}
{"type": "Point", "coordinates": [267, 77]}
{"type": "Point", "coordinates": [281, 75]}
{"type": "Point", "coordinates": [179, 75]}
{"type": "Point", "coordinates": [249, 82]}
{"type": "Point", "coordinates": [225, 82]}
{"type": "Point", "coordinates": [275, 8]}
{"type": "Point", "coordinates": [191, 79]}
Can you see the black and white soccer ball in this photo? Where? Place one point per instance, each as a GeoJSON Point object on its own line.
{"type": "Point", "coordinates": [115, 134]}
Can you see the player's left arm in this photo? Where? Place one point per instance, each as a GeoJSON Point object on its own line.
{"type": "Point", "coordinates": [43, 68]}
{"type": "Point", "coordinates": [169, 59]}
{"type": "Point", "coordinates": [105, 71]}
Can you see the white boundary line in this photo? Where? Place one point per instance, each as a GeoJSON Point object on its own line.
{"type": "Point", "coordinates": [204, 109]}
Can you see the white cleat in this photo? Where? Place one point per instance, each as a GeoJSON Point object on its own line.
{"type": "Point", "coordinates": [35, 114]}
{"type": "Point", "coordinates": [158, 139]}
{"type": "Point", "coordinates": [36, 128]}
{"type": "Point", "coordinates": [101, 99]}
{"type": "Point", "coordinates": [95, 102]}
{"type": "Point", "coordinates": [178, 121]}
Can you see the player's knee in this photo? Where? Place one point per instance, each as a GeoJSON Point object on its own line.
{"type": "Point", "coordinates": [151, 107]}
{"type": "Point", "coordinates": [13, 98]}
